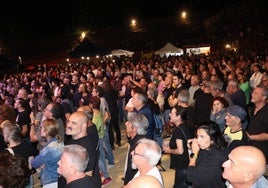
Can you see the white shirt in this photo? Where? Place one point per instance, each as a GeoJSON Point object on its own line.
{"type": "Point", "coordinates": [153, 172]}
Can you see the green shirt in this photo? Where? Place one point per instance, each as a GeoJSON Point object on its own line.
{"type": "Point", "coordinates": [98, 121]}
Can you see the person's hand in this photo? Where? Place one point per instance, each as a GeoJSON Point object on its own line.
{"type": "Point", "coordinates": [165, 146]}
{"type": "Point", "coordinates": [195, 147]}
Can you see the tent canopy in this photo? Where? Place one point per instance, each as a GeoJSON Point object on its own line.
{"type": "Point", "coordinates": [169, 49]}
{"type": "Point", "coordinates": [120, 52]}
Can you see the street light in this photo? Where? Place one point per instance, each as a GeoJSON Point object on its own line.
{"type": "Point", "coordinates": [83, 35]}
{"type": "Point", "coordinates": [133, 25]}
{"type": "Point", "coordinates": [184, 15]}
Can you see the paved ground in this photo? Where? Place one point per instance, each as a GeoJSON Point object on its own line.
{"type": "Point", "coordinates": [117, 172]}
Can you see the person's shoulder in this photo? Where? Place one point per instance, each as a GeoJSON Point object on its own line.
{"type": "Point", "coordinates": [261, 182]}
{"type": "Point", "coordinates": [86, 181]}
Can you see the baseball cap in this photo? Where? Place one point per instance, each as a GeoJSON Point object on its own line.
{"type": "Point", "coordinates": [238, 111]}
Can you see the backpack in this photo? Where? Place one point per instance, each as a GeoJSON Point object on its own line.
{"type": "Point", "coordinates": [158, 120]}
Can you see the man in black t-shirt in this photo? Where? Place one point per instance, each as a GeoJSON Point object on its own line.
{"type": "Point", "coordinates": [77, 128]}
{"type": "Point", "coordinates": [72, 165]}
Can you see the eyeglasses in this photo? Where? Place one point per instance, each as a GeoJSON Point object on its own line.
{"type": "Point", "coordinates": [134, 153]}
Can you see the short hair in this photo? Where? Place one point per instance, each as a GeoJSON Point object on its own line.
{"type": "Point", "coordinates": [142, 97]}
{"type": "Point", "coordinates": [43, 102]}
{"type": "Point", "coordinates": [181, 111]}
{"type": "Point", "coordinates": [95, 101]}
{"type": "Point", "coordinates": [217, 85]}
{"type": "Point", "coordinates": [264, 91]}
{"type": "Point", "coordinates": [23, 102]}
{"type": "Point", "coordinates": [99, 89]}
{"type": "Point", "coordinates": [51, 126]}
{"type": "Point", "coordinates": [233, 82]}
{"type": "Point", "coordinates": [153, 93]}
{"type": "Point", "coordinates": [14, 171]}
{"type": "Point", "coordinates": [152, 151]}
{"type": "Point", "coordinates": [78, 155]}
{"type": "Point", "coordinates": [139, 121]}
{"type": "Point", "coordinates": [13, 132]}
{"type": "Point", "coordinates": [184, 96]}
{"type": "Point", "coordinates": [7, 113]}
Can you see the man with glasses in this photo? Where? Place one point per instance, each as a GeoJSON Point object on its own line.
{"type": "Point", "coordinates": [136, 129]}
{"type": "Point", "coordinates": [145, 157]}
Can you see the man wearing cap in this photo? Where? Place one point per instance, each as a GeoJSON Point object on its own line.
{"type": "Point", "coordinates": [234, 133]}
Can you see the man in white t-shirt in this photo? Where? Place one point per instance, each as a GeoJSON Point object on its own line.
{"type": "Point", "coordinates": [145, 157]}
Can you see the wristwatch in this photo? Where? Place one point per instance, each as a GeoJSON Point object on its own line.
{"type": "Point", "coordinates": [193, 155]}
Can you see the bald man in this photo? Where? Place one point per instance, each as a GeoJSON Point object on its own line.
{"type": "Point", "coordinates": [146, 181]}
{"type": "Point", "coordinates": [245, 168]}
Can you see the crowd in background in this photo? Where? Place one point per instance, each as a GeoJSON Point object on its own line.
{"type": "Point", "coordinates": [189, 90]}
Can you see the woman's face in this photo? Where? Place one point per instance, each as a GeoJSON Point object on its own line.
{"type": "Point", "coordinates": [173, 116]}
{"type": "Point", "coordinates": [203, 139]}
{"type": "Point", "coordinates": [217, 106]}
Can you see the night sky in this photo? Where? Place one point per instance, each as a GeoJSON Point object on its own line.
{"type": "Point", "coordinates": [53, 17]}
{"type": "Point", "coordinates": [25, 23]}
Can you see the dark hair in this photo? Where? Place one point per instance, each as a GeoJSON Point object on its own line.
{"type": "Point", "coordinates": [95, 101]}
{"type": "Point", "coordinates": [14, 171]}
{"type": "Point", "coordinates": [99, 89]}
{"type": "Point", "coordinates": [23, 102]}
{"type": "Point", "coordinates": [214, 132]}
{"type": "Point", "coordinates": [56, 110]}
{"type": "Point", "coordinates": [222, 100]}
{"type": "Point", "coordinates": [65, 92]}
{"type": "Point", "coordinates": [7, 113]}
{"type": "Point", "coordinates": [181, 111]}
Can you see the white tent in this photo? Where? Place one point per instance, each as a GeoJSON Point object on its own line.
{"type": "Point", "coordinates": [120, 52]}
{"type": "Point", "coordinates": [169, 50]}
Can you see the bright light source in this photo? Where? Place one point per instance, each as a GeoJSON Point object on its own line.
{"type": "Point", "coordinates": [83, 35]}
{"type": "Point", "coordinates": [184, 15]}
{"type": "Point", "coordinates": [133, 22]}
{"type": "Point", "coordinates": [228, 46]}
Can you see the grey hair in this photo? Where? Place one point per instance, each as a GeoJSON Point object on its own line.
{"type": "Point", "coordinates": [139, 121]}
{"type": "Point", "coordinates": [184, 96]}
{"type": "Point", "coordinates": [142, 97]}
{"type": "Point", "coordinates": [152, 92]}
{"type": "Point", "coordinates": [233, 82]}
{"type": "Point", "coordinates": [217, 85]}
{"type": "Point", "coordinates": [152, 151]}
{"type": "Point", "coordinates": [78, 155]}
{"type": "Point", "coordinates": [264, 91]}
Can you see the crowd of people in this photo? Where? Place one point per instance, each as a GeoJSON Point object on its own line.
{"type": "Point", "coordinates": [64, 121]}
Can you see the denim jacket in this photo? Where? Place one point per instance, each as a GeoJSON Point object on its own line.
{"type": "Point", "coordinates": [49, 157]}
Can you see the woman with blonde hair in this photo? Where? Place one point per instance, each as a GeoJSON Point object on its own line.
{"type": "Point", "coordinates": [50, 155]}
